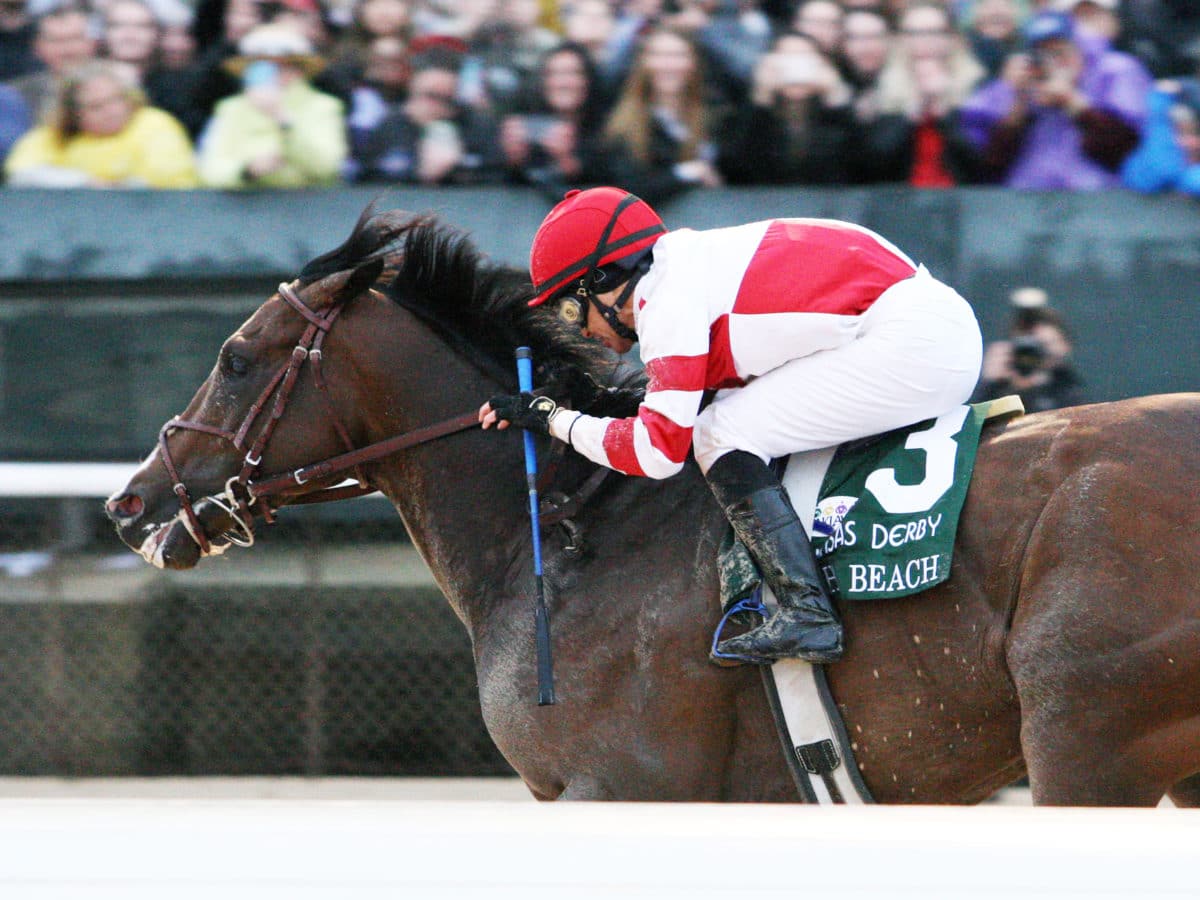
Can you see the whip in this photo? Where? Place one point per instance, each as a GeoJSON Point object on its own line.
{"type": "Point", "coordinates": [545, 663]}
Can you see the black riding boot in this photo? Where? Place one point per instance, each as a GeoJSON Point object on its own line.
{"type": "Point", "coordinates": [805, 625]}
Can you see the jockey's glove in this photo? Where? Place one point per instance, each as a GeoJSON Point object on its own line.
{"type": "Point", "coordinates": [525, 410]}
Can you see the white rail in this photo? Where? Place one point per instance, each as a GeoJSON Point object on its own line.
{"type": "Point", "coordinates": [65, 479]}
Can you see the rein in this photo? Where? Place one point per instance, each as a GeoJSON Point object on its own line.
{"type": "Point", "coordinates": [277, 484]}
{"type": "Point", "coordinates": [242, 492]}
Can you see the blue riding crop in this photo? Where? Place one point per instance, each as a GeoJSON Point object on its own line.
{"type": "Point", "coordinates": [545, 664]}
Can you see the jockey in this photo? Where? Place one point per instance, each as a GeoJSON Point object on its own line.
{"type": "Point", "coordinates": [811, 332]}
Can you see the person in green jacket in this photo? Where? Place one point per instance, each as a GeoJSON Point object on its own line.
{"type": "Point", "coordinates": [279, 131]}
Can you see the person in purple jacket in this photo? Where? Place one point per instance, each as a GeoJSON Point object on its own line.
{"type": "Point", "coordinates": [1061, 116]}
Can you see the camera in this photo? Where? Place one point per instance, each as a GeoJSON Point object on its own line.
{"type": "Point", "coordinates": [1027, 354]}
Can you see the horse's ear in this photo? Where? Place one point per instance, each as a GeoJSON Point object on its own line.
{"type": "Point", "coordinates": [360, 280]}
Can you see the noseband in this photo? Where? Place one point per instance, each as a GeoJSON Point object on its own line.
{"type": "Point", "coordinates": [241, 492]}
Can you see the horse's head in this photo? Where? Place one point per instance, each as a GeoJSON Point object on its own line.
{"type": "Point", "coordinates": [270, 403]}
{"type": "Point", "coordinates": [334, 358]}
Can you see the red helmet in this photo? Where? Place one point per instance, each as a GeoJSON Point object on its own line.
{"type": "Point", "coordinates": [586, 230]}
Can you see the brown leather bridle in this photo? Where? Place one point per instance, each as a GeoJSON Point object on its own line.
{"type": "Point", "coordinates": [243, 496]}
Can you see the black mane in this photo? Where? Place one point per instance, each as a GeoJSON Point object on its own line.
{"type": "Point", "coordinates": [478, 307]}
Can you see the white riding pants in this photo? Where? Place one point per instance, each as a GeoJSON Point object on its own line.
{"type": "Point", "coordinates": [916, 355]}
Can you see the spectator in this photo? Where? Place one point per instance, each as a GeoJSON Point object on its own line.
{"type": "Point", "coordinates": [633, 18]}
{"type": "Point", "coordinates": [432, 139]}
{"type": "Point", "coordinates": [279, 131]}
{"type": "Point", "coordinates": [556, 144]}
{"type": "Point", "coordinates": [173, 80]}
{"type": "Point", "coordinates": [176, 45]}
{"type": "Point", "coordinates": [592, 24]}
{"type": "Point", "coordinates": [309, 17]}
{"type": "Point", "coordinates": [102, 134]}
{"type": "Point", "coordinates": [994, 32]}
{"type": "Point", "coordinates": [1058, 119]}
{"type": "Point", "coordinates": [15, 119]}
{"type": "Point", "coordinates": [63, 41]}
{"type": "Point", "coordinates": [372, 19]}
{"type": "Point", "coordinates": [380, 91]}
{"type": "Point", "coordinates": [1034, 362]}
{"type": "Point", "coordinates": [1168, 158]}
{"type": "Point", "coordinates": [17, 32]}
{"type": "Point", "coordinates": [917, 138]}
{"type": "Point", "coordinates": [500, 67]}
{"type": "Point", "coordinates": [131, 33]}
{"type": "Point", "coordinates": [375, 18]}
{"type": "Point", "coordinates": [658, 139]}
{"type": "Point", "coordinates": [732, 35]}
{"type": "Point", "coordinates": [1164, 34]}
{"type": "Point", "coordinates": [866, 45]}
{"type": "Point", "coordinates": [798, 127]}
{"type": "Point", "coordinates": [306, 16]}
{"type": "Point", "coordinates": [1095, 20]}
{"type": "Point", "coordinates": [822, 20]}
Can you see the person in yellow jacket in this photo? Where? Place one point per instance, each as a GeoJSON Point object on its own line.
{"type": "Point", "coordinates": [279, 131]}
{"type": "Point", "coordinates": [101, 133]}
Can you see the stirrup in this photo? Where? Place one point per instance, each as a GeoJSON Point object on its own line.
{"type": "Point", "coordinates": [753, 605]}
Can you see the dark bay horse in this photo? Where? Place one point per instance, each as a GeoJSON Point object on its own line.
{"type": "Point", "coordinates": [1065, 646]}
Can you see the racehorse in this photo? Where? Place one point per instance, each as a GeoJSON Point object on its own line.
{"type": "Point", "coordinates": [1065, 646]}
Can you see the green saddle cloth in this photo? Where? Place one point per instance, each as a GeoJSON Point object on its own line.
{"type": "Point", "coordinates": [888, 512]}
{"type": "Point", "coordinates": [888, 509]}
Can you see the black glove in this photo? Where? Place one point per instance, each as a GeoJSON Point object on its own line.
{"type": "Point", "coordinates": [524, 410]}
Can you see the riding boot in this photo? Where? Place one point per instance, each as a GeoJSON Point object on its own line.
{"type": "Point", "coordinates": [805, 624]}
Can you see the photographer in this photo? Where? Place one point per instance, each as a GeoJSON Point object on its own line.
{"type": "Point", "coordinates": [1035, 361]}
{"type": "Point", "coordinates": [798, 128]}
{"type": "Point", "coordinates": [1062, 116]}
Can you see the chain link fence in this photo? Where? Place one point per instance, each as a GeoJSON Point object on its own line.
{"type": "Point", "coordinates": [324, 650]}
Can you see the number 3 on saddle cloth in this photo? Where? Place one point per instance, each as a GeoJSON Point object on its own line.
{"type": "Point", "coordinates": [886, 513]}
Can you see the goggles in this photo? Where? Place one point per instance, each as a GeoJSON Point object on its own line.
{"type": "Point", "coordinates": [573, 309]}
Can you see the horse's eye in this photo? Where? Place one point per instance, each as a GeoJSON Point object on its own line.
{"type": "Point", "coordinates": [236, 365]}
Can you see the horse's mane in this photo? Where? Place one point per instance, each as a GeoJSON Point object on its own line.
{"type": "Point", "coordinates": [478, 307]}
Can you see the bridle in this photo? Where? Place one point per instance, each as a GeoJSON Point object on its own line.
{"type": "Point", "coordinates": [244, 495]}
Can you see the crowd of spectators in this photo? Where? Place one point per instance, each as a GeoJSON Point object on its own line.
{"type": "Point", "coordinates": [660, 96]}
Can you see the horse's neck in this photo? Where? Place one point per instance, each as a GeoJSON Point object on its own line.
{"type": "Point", "coordinates": [460, 499]}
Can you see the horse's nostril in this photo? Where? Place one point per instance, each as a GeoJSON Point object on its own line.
{"type": "Point", "coordinates": [125, 506]}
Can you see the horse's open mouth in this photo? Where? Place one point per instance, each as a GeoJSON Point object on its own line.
{"type": "Point", "coordinates": [171, 544]}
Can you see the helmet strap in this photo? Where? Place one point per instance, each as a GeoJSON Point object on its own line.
{"type": "Point", "coordinates": [611, 314]}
